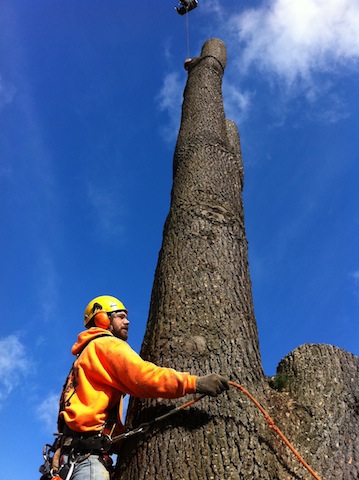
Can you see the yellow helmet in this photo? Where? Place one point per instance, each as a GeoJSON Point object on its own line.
{"type": "Point", "coordinates": [106, 303]}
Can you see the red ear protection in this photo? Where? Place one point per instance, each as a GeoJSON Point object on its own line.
{"type": "Point", "coordinates": [101, 320]}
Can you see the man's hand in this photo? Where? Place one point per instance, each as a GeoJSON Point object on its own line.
{"type": "Point", "coordinates": [212, 384]}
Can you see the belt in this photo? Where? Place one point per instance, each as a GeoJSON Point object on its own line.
{"type": "Point", "coordinates": [87, 442]}
{"type": "Point", "coordinates": [95, 444]}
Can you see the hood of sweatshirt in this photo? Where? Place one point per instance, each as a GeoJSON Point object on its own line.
{"type": "Point", "coordinates": [86, 336]}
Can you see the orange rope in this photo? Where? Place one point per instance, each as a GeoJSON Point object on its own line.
{"type": "Point", "coordinates": [270, 421]}
{"type": "Point", "coordinates": [144, 426]}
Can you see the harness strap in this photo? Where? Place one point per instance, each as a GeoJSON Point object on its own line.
{"type": "Point", "coordinates": [56, 460]}
{"type": "Point", "coordinates": [66, 402]}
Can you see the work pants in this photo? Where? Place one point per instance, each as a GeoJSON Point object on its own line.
{"type": "Point", "coordinates": [90, 469]}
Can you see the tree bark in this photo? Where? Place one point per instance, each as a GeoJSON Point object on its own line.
{"type": "Point", "coordinates": [202, 320]}
{"type": "Point", "coordinates": [319, 408]}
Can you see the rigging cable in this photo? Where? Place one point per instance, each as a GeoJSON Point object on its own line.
{"type": "Point", "coordinates": [187, 33]}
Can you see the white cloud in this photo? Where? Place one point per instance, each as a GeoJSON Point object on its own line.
{"type": "Point", "coordinates": [48, 410]}
{"type": "Point", "coordinates": [14, 365]}
{"type": "Point", "coordinates": [296, 39]}
{"type": "Point", "coordinates": [170, 100]}
{"type": "Point", "coordinates": [171, 92]}
{"type": "Point", "coordinates": [212, 7]}
{"type": "Point", "coordinates": [237, 103]}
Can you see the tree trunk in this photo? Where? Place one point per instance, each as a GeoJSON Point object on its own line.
{"type": "Point", "coordinates": [202, 320]}
{"type": "Point", "coordinates": [319, 408]}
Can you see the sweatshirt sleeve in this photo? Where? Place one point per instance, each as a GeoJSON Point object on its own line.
{"type": "Point", "coordinates": [139, 378]}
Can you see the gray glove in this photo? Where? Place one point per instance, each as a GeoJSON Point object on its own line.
{"type": "Point", "coordinates": [212, 384]}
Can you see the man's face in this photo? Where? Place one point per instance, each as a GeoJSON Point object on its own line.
{"type": "Point", "coordinates": [119, 324]}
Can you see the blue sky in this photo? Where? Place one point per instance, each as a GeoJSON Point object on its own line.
{"type": "Point", "coordinates": [90, 98]}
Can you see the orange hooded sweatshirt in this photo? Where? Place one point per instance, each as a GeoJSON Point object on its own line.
{"type": "Point", "coordinates": [105, 370]}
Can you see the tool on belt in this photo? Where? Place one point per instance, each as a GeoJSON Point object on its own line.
{"type": "Point", "coordinates": [61, 457]}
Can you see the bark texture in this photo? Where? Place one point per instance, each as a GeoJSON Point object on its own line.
{"type": "Point", "coordinates": [202, 320]}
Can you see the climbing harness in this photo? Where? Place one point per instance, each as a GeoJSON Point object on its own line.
{"type": "Point", "coordinates": [145, 426]}
{"type": "Point", "coordinates": [70, 385]}
{"type": "Point", "coordinates": [59, 464]}
{"type": "Point", "coordinates": [66, 452]}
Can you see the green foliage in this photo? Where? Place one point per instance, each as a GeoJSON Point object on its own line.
{"type": "Point", "coordinates": [279, 382]}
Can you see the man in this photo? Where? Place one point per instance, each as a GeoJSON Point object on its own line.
{"type": "Point", "coordinates": [106, 368]}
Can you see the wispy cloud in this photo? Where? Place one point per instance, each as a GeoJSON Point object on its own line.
{"type": "Point", "coordinates": [296, 39]}
{"type": "Point", "coordinates": [169, 100]}
{"type": "Point", "coordinates": [212, 7]}
{"type": "Point", "coordinates": [14, 365]}
{"type": "Point", "coordinates": [48, 410]}
{"type": "Point", "coordinates": [237, 103]}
